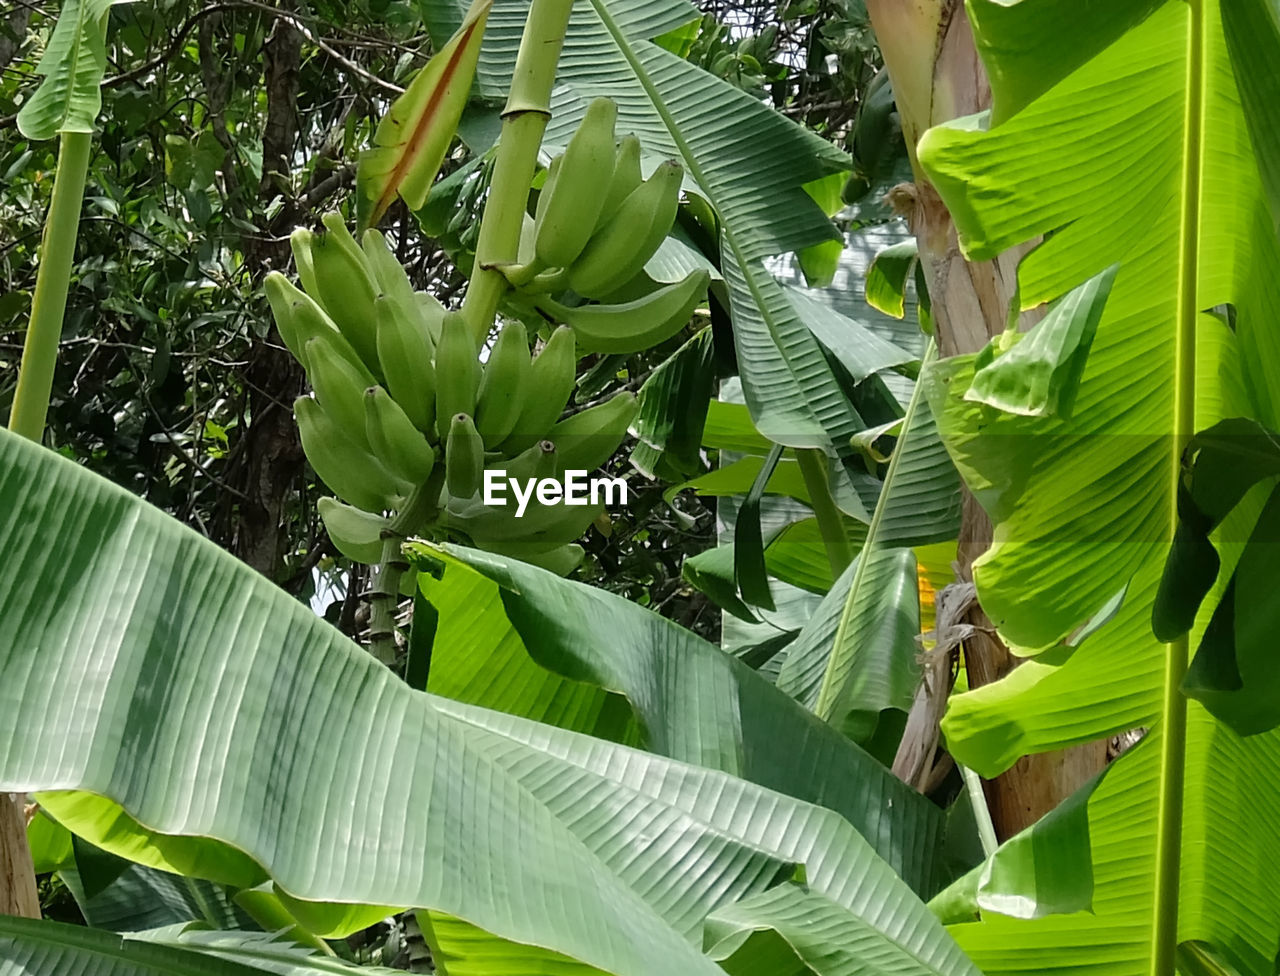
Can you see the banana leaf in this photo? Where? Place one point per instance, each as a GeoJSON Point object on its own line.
{"type": "Point", "coordinates": [141, 664]}
{"type": "Point", "coordinates": [70, 97]}
{"type": "Point", "coordinates": [697, 704]}
{"type": "Point", "coordinates": [1089, 146]}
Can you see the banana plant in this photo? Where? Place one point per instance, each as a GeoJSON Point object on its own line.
{"type": "Point", "coordinates": [1121, 139]}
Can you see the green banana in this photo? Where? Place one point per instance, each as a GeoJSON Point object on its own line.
{"type": "Point", "coordinates": [289, 305]}
{"type": "Point", "coordinates": [300, 242]}
{"type": "Point", "coordinates": [457, 372]}
{"type": "Point", "coordinates": [579, 189]}
{"type": "Point", "coordinates": [350, 471]}
{"type": "Point", "coordinates": [588, 439]}
{"type": "Point", "coordinates": [551, 379]}
{"type": "Point", "coordinates": [504, 384]}
{"type": "Point", "coordinates": [463, 458]}
{"type": "Point", "coordinates": [388, 274]}
{"type": "Point", "coordinates": [626, 177]}
{"type": "Point", "coordinates": [618, 251]}
{"type": "Point", "coordinates": [534, 463]}
{"type": "Point", "coordinates": [346, 288]}
{"type": "Point", "coordinates": [633, 326]}
{"type": "Point", "coordinates": [432, 311]}
{"type": "Point", "coordinates": [406, 354]}
{"type": "Point", "coordinates": [400, 446]}
{"type": "Point", "coordinates": [307, 321]}
{"type": "Point", "coordinates": [544, 195]}
{"type": "Point", "coordinates": [339, 387]}
{"type": "Point", "coordinates": [355, 533]}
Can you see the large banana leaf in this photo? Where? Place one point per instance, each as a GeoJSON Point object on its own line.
{"type": "Point", "coordinates": [141, 663]}
{"type": "Point", "coordinates": [697, 704]}
{"type": "Point", "coordinates": [1094, 151]}
{"type": "Point", "coordinates": [750, 162]}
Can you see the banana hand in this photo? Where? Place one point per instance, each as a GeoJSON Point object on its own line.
{"type": "Point", "coordinates": [350, 471]}
{"type": "Point", "coordinates": [399, 445]}
{"type": "Point", "coordinates": [551, 379]}
{"type": "Point", "coordinates": [618, 251]}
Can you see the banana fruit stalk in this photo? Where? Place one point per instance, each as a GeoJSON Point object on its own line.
{"type": "Point", "coordinates": [632, 326]}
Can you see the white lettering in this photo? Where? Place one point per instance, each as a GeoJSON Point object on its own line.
{"type": "Point", "coordinates": [549, 491]}
{"type": "Point", "coordinates": [495, 487]}
{"type": "Point", "coordinates": [575, 487]}
{"type": "Point", "coordinates": [522, 499]}
{"type": "Point", "coordinates": [606, 486]}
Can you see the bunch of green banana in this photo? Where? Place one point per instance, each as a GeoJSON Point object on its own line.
{"type": "Point", "coordinates": [597, 222]}
{"type": "Point", "coordinates": [368, 343]}
{"type": "Point", "coordinates": [405, 401]}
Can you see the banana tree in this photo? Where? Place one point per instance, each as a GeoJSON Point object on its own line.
{"type": "Point", "coordinates": [1120, 141]}
{"type": "Point", "coordinates": [930, 53]}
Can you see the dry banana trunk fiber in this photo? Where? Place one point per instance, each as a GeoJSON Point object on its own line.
{"type": "Point", "coordinates": [937, 75]}
{"type": "Point", "coordinates": [17, 876]}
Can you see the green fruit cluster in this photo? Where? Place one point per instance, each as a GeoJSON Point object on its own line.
{"type": "Point", "coordinates": [597, 223]}
{"type": "Point", "coordinates": [404, 403]}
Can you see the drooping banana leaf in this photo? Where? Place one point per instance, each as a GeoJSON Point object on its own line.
{"type": "Point", "coordinates": [697, 704]}
{"type": "Point", "coordinates": [856, 659]}
{"type": "Point", "coordinates": [1093, 149]}
{"type": "Point", "coordinates": [749, 162]}
{"type": "Point", "coordinates": [140, 663]}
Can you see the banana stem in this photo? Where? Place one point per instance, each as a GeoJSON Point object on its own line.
{"type": "Point", "coordinates": [523, 122]}
{"type": "Point", "coordinates": [40, 350]}
{"type": "Point", "coordinates": [813, 468]}
{"type": "Point", "coordinates": [384, 596]}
